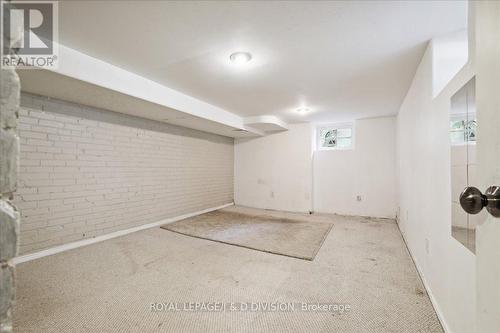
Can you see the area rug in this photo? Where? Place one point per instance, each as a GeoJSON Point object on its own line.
{"type": "Point", "coordinates": [289, 237]}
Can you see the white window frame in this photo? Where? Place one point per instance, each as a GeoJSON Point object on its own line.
{"type": "Point", "coordinates": [334, 126]}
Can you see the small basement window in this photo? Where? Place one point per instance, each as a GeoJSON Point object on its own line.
{"type": "Point", "coordinates": [462, 129]}
{"type": "Point", "coordinates": [334, 137]}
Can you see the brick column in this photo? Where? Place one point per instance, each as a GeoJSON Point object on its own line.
{"type": "Point", "coordinates": [9, 216]}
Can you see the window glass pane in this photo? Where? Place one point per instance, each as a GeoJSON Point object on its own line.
{"type": "Point", "coordinates": [457, 125]}
{"type": "Point", "coordinates": [344, 132]}
{"type": "Point", "coordinates": [457, 137]}
{"type": "Point", "coordinates": [462, 131]}
{"type": "Point", "coordinates": [470, 128]}
{"type": "Point", "coordinates": [344, 142]}
{"type": "Point", "coordinates": [321, 137]}
{"type": "Point", "coordinates": [329, 138]}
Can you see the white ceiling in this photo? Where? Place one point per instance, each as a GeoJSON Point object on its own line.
{"type": "Point", "coordinates": [344, 60]}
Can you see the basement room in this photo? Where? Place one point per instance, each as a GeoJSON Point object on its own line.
{"type": "Point", "coordinates": [250, 166]}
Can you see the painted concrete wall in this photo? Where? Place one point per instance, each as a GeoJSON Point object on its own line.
{"type": "Point", "coordinates": [368, 171]}
{"type": "Point", "coordinates": [85, 172]}
{"type": "Point", "coordinates": [275, 171]}
{"type": "Point", "coordinates": [424, 186]}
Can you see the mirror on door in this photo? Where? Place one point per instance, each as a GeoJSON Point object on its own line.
{"type": "Point", "coordinates": [463, 124]}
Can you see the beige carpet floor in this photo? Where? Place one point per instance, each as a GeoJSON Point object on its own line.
{"type": "Point", "coordinates": [110, 286]}
{"type": "Point", "coordinates": [298, 238]}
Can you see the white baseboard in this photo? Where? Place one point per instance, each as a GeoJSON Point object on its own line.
{"type": "Point", "coordinates": [434, 302]}
{"type": "Point", "coordinates": [84, 242]}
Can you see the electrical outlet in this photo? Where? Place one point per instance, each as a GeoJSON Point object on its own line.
{"type": "Point", "coordinates": [272, 194]}
{"type": "Point", "coordinates": [358, 198]}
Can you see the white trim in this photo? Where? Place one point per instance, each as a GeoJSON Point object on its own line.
{"type": "Point", "coordinates": [84, 242]}
{"type": "Point", "coordinates": [434, 302]}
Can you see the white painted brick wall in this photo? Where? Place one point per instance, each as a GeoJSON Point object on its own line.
{"type": "Point", "coordinates": [85, 172]}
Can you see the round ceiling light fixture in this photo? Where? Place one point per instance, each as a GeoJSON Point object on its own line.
{"type": "Point", "coordinates": [240, 58]}
{"type": "Point", "coordinates": [303, 110]}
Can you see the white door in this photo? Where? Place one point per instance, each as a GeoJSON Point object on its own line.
{"type": "Point", "coordinates": [487, 35]}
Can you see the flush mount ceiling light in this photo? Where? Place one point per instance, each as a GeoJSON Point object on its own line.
{"type": "Point", "coordinates": [303, 110]}
{"type": "Point", "coordinates": [240, 58]}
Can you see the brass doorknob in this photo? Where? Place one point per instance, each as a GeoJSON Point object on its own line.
{"type": "Point", "coordinates": [473, 201]}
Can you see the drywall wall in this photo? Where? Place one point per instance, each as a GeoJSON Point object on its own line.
{"type": "Point", "coordinates": [424, 187]}
{"type": "Point", "coordinates": [85, 172]}
{"type": "Point", "coordinates": [275, 171]}
{"type": "Point", "coordinates": [367, 171]}
{"type": "Point", "coordinates": [450, 54]}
